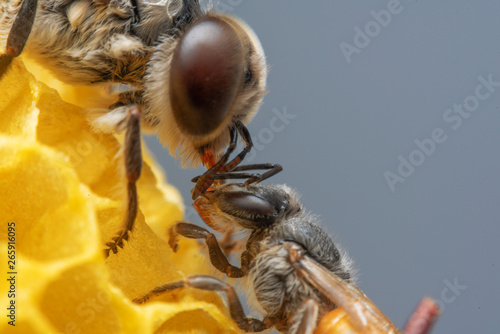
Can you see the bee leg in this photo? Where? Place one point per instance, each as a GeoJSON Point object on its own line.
{"type": "Point", "coordinates": [273, 169]}
{"type": "Point", "coordinates": [205, 181]}
{"type": "Point", "coordinates": [115, 118]}
{"type": "Point", "coordinates": [307, 317]}
{"type": "Point", "coordinates": [217, 257]}
{"type": "Point", "coordinates": [222, 166]}
{"type": "Point", "coordinates": [227, 244]}
{"type": "Point", "coordinates": [245, 135]}
{"type": "Point", "coordinates": [209, 283]}
{"type": "Point", "coordinates": [252, 178]}
{"type": "Point", "coordinates": [133, 166]}
{"type": "Point", "coordinates": [19, 33]}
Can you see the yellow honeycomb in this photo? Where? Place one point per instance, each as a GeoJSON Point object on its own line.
{"type": "Point", "coordinates": [63, 186]}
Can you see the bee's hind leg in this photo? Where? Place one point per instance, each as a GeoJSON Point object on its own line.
{"type": "Point", "coordinates": [209, 283]}
{"type": "Point", "coordinates": [133, 166]}
{"type": "Point", "coordinates": [19, 33]}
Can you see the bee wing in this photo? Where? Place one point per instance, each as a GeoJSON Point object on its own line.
{"type": "Point", "coordinates": [363, 313]}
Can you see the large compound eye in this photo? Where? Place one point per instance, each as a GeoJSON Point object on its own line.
{"type": "Point", "coordinates": [253, 211]}
{"type": "Point", "coordinates": [206, 74]}
{"type": "Point", "coordinates": [251, 204]}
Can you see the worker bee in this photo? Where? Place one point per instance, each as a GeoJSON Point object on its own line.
{"type": "Point", "coordinates": [192, 76]}
{"type": "Point", "coordinates": [298, 274]}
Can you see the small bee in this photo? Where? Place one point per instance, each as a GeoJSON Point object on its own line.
{"type": "Point", "coordinates": [192, 76]}
{"type": "Point", "coordinates": [298, 274]}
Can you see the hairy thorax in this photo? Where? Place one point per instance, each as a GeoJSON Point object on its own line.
{"type": "Point", "coordinates": [278, 288]}
{"type": "Point", "coordinates": [82, 42]}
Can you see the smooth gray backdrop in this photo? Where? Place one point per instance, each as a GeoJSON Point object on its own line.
{"type": "Point", "coordinates": [357, 118]}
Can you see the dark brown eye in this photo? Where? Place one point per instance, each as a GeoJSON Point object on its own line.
{"type": "Point", "coordinates": [251, 204]}
{"type": "Point", "coordinates": [253, 211]}
{"type": "Point", "coordinates": [206, 75]}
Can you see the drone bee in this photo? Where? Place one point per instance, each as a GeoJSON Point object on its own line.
{"type": "Point", "coordinates": [298, 274]}
{"type": "Point", "coordinates": [192, 76]}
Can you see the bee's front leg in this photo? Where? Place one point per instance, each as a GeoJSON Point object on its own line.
{"type": "Point", "coordinates": [115, 118]}
{"type": "Point", "coordinates": [209, 283]}
{"type": "Point", "coordinates": [206, 180]}
{"type": "Point", "coordinates": [133, 166]}
{"type": "Point", "coordinates": [217, 257]}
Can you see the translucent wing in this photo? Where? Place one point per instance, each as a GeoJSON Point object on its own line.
{"type": "Point", "coordinates": [361, 310]}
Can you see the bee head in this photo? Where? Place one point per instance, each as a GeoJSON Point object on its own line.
{"type": "Point", "coordinates": [217, 76]}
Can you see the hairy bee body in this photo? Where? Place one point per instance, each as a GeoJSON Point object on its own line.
{"type": "Point", "coordinates": [277, 286]}
{"type": "Point", "coordinates": [293, 268]}
{"type": "Point", "coordinates": [86, 42]}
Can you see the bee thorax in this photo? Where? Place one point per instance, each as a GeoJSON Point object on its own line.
{"type": "Point", "coordinates": [279, 289]}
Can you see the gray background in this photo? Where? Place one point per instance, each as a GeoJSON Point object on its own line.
{"type": "Point", "coordinates": [352, 122]}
